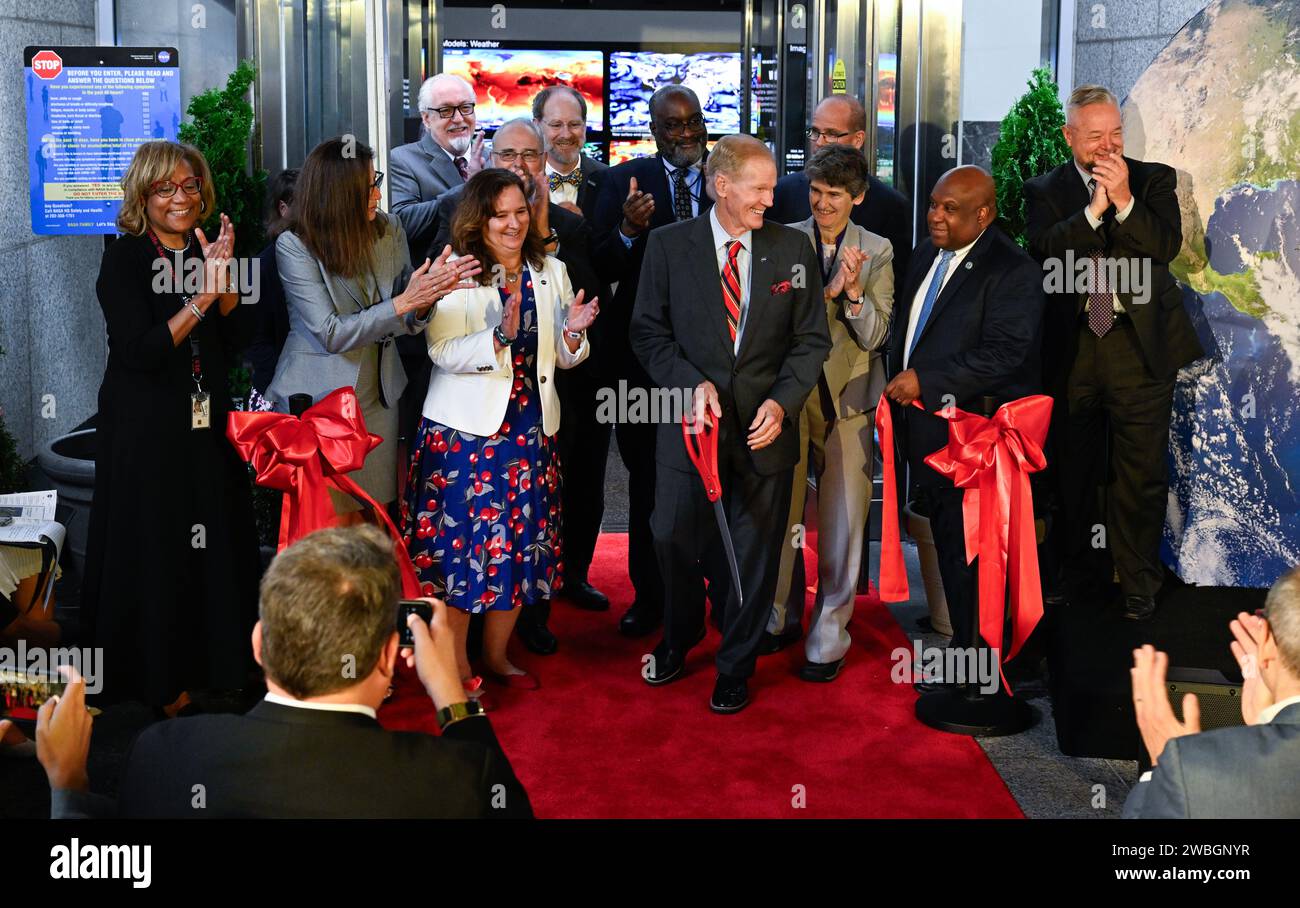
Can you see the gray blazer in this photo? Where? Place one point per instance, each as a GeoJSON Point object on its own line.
{"type": "Point", "coordinates": [417, 174]}
{"type": "Point", "coordinates": [854, 373]}
{"type": "Point", "coordinates": [331, 322]}
{"type": "Point", "coordinates": [1249, 771]}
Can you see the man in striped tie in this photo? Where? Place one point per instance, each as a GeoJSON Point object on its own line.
{"type": "Point", "coordinates": [729, 308]}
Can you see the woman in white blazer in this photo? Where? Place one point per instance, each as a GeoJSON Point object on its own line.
{"type": "Point", "coordinates": [481, 516]}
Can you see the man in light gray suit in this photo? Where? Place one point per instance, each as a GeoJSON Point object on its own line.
{"type": "Point", "coordinates": [836, 423]}
{"type": "Point", "coordinates": [1245, 771]}
{"type": "Point", "coordinates": [449, 153]}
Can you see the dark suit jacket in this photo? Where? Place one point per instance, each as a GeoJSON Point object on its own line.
{"type": "Point", "coordinates": [679, 333]}
{"type": "Point", "coordinates": [623, 264]}
{"type": "Point", "coordinates": [574, 251]}
{"type": "Point", "coordinates": [1056, 224]}
{"type": "Point", "coordinates": [981, 339]}
{"type": "Point", "coordinates": [885, 212]}
{"type": "Point", "coordinates": [1246, 772]}
{"type": "Point", "coordinates": [589, 191]}
{"type": "Point", "coordinates": [283, 761]}
{"type": "Point", "coordinates": [417, 174]}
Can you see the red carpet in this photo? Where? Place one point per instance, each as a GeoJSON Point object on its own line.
{"type": "Point", "coordinates": [596, 741]}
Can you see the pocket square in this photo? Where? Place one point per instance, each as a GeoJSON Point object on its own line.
{"type": "Point", "coordinates": [782, 287]}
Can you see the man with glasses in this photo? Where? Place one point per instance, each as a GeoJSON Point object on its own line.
{"type": "Point", "coordinates": [447, 154]}
{"type": "Point", "coordinates": [573, 178]}
{"type": "Point", "coordinates": [842, 120]}
{"type": "Point", "coordinates": [636, 197]}
{"type": "Point", "coordinates": [584, 441]}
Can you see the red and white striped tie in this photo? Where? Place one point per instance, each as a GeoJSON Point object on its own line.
{"type": "Point", "coordinates": [731, 287]}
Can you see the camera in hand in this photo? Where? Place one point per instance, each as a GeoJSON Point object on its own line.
{"type": "Point", "coordinates": [406, 607]}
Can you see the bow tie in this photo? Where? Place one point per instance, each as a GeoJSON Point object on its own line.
{"type": "Point", "coordinates": [556, 180]}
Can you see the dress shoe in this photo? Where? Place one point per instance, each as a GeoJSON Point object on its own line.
{"type": "Point", "coordinates": [730, 695]}
{"type": "Point", "coordinates": [586, 597]}
{"type": "Point", "coordinates": [522, 681]}
{"type": "Point", "coordinates": [639, 620]}
{"type": "Point", "coordinates": [1139, 608]}
{"type": "Point", "coordinates": [668, 664]}
{"type": "Point", "coordinates": [774, 643]}
{"type": "Point", "coordinates": [537, 638]}
{"type": "Point", "coordinates": [821, 671]}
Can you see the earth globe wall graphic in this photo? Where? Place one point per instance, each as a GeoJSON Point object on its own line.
{"type": "Point", "coordinates": [1221, 105]}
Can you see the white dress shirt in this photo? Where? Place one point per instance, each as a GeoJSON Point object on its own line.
{"type": "Point", "coordinates": [567, 191]}
{"type": "Point", "coordinates": [743, 258]}
{"type": "Point", "coordinates": [323, 707]}
{"type": "Point", "coordinates": [917, 301]}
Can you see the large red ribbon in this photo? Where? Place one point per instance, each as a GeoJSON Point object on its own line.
{"type": "Point", "coordinates": [307, 456]}
{"type": "Point", "coordinates": [991, 458]}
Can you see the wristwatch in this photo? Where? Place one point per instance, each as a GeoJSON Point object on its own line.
{"type": "Point", "coordinates": [450, 715]}
{"type": "Point", "coordinates": [551, 237]}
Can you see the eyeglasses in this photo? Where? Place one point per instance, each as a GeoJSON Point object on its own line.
{"type": "Point", "coordinates": [510, 155]}
{"type": "Point", "coordinates": [166, 188]}
{"type": "Point", "coordinates": [379, 179]}
{"type": "Point", "coordinates": [677, 127]}
{"type": "Point", "coordinates": [446, 113]}
{"type": "Point", "coordinates": [814, 133]}
{"type": "Point", "coordinates": [574, 125]}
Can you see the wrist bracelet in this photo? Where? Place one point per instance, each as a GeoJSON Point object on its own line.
{"type": "Point", "coordinates": [501, 337]}
{"type": "Point", "coordinates": [198, 313]}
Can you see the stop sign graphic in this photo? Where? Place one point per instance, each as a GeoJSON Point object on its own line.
{"type": "Point", "coordinates": [47, 64]}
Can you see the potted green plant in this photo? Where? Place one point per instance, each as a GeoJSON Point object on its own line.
{"type": "Point", "coordinates": [1029, 143]}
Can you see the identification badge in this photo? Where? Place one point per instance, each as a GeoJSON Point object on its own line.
{"type": "Point", "coordinates": [200, 410]}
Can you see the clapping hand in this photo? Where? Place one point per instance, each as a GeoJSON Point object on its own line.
{"type": "Point", "coordinates": [421, 291]}
{"type": "Point", "coordinates": [849, 279]}
{"type": "Point", "coordinates": [1111, 173]}
{"type": "Point", "coordinates": [448, 276]}
{"type": "Point", "coordinates": [638, 208]}
{"type": "Point", "coordinates": [510, 317]}
{"type": "Point", "coordinates": [1250, 632]}
{"type": "Point", "coordinates": [581, 314]}
{"type": "Point", "coordinates": [1155, 716]}
{"type": "Point", "coordinates": [216, 257]}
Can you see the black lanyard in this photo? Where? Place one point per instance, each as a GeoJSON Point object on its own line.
{"type": "Point", "coordinates": [821, 256]}
{"type": "Point", "coordinates": [196, 360]}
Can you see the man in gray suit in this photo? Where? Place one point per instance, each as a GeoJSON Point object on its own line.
{"type": "Point", "coordinates": [448, 153]}
{"type": "Point", "coordinates": [1244, 771]}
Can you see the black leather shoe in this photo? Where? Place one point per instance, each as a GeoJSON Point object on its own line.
{"type": "Point", "coordinates": [774, 643]}
{"type": "Point", "coordinates": [821, 671]}
{"type": "Point", "coordinates": [639, 620]}
{"type": "Point", "coordinates": [1139, 608]}
{"type": "Point", "coordinates": [730, 695]}
{"type": "Point", "coordinates": [667, 664]}
{"type": "Point", "coordinates": [537, 638]}
{"type": "Point", "coordinates": [587, 597]}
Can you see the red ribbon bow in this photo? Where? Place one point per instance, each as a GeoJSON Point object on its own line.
{"type": "Point", "coordinates": [307, 456]}
{"type": "Point", "coordinates": [991, 458]}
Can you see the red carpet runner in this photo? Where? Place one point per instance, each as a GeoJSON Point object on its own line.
{"type": "Point", "coordinates": [596, 741]}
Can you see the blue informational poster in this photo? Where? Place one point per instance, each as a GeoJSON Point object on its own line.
{"type": "Point", "coordinates": [88, 110]}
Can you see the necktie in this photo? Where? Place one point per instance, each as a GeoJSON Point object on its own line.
{"type": "Point", "coordinates": [462, 167]}
{"type": "Point", "coordinates": [731, 287]}
{"type": "Point", "coordinates": [1101, 311]}
{"type": "Point", "coordinates": [556, 180]}
{"type": "Point", "coordinates": [681, 196]}
{"type": "Point", "coordinates": [931, 294]}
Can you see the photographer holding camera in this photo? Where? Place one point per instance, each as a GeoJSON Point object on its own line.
{"type": "Point", "coordinates": [328, 644]}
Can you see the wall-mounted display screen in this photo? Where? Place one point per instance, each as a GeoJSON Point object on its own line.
{"type": "Point", "coordinates": [713, 75]}
{"type": "Point", "coordinates": [621, 150]}
{"type": "Point", "coordinates": [505, 81]}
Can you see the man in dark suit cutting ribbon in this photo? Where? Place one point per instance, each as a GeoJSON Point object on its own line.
{"type": "Point", "coordinates": [1112, 347]}
{"type": "Point", "coordinates": [731, 306]}
{"type": "Point", "coordinates": [965, 326]}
